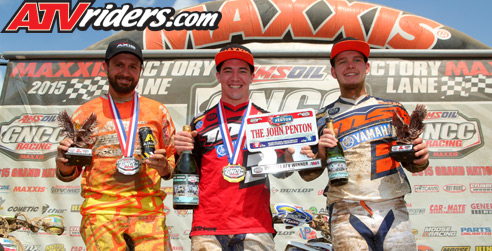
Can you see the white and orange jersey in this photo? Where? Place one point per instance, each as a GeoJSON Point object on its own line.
{"type": "Point", "coordinates": [366, 135]}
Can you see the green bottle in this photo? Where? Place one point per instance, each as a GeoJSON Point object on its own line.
{"type": "Point", "coordinates": [185, 180]}
{"type": "Point", "coordinates": [335, 161]}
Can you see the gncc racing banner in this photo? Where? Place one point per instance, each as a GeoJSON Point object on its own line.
{"type": "Point", "coordinates": [450, 204]}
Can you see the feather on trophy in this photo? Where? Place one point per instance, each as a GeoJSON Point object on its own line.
{"type": "Point", "coordinates": [406, 133]}
{"type": "Point", "coordinates": [79, 154]}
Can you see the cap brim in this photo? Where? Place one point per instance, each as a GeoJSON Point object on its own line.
{"type": "Point", "coordinates": [129, 52]}
{"type": "Point", "coordinates": [350, 45]}
{"type": "Point", "coordinates": [226, 55]}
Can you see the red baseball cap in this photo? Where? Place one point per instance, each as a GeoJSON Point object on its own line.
{"type": "Point", "coordinates": [234, 51]}
{"type": "Point", "coordinates": [349, 44]}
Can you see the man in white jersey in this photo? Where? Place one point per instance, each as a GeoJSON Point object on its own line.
{"type": "Point", "coordinates": [369, 212]}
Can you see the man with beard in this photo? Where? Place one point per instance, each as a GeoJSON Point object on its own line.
{"type": "Point", "coordinates": [123, 205]}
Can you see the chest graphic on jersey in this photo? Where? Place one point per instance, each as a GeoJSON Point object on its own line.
{"type": "Point", "coordinates": [362, 118]}
{"type": "Point", "coordinates": [367, 134]}
{"type": "Point", "coordinates": [370, 125]}
{"type": "Point", "coordinates": [213, 136]}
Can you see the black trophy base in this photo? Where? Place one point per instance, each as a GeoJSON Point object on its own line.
{"type": "Point", "coordinates": [78, 156]}
{"type": "Point", "coordinates": [402, 153]}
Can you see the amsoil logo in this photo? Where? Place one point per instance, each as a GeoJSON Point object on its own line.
{"type": "Point", "coordinates": [454, 188]}
{"type": "Point", "coordinates": [426, 188]}
{"type": "Point", "coordinates": [30, 137]}
{"type": "Point", "coordinates": [37, 16]}
{"type": "Point", "coordinates": [449, 134]}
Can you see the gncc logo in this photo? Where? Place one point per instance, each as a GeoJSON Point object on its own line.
{"type": "Point", "coordinates": [30, 137]}
{"type": "Point", "coordinates": [450, 134]}
{"type": "Point", "coordinates": [36, 16]}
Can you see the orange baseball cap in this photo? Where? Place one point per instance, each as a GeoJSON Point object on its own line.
{"type": "Point", "coordinates": [234, 51]}
{"type": "Point", "coordinates": [350, 44]}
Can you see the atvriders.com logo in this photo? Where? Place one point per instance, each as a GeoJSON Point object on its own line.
{"type": "Point", "coordinates": [40, 17]}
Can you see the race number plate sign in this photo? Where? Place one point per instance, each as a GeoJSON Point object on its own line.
{"type": "Point", "coordinates": [279, 131]}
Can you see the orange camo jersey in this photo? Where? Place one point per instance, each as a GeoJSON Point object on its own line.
{"type": "Point", "coordinates": [106, 191]}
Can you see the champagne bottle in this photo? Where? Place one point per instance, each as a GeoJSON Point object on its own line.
{"type": "Point", "coordinates": [185, 181]}
{"type": "Point", "coordinates": [335, 160]}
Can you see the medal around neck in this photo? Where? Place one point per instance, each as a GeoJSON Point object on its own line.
{"type": "Point", "coordinates": [407, 133]}
{"type": "Point", "coordinates": [79, 154]}
{"type": "Point", "coordinates": [234, 173]}
{"type": "Point", "coordinates": [128, 165]}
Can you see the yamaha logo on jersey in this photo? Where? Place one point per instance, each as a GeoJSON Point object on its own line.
{"type": "Point", "coordinates": [199, 124]}
{"type": "Point", "coordinates": [333, 111]}
{"type": "Point", "coordinates": [220, 150]}
{"type": "Point", "coordinates": [366, 135]}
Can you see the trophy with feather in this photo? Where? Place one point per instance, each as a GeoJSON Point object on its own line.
{"type": "Point", "coordinates": [407, 133]}
{"type": "Point", "coordinates": [80, 153]}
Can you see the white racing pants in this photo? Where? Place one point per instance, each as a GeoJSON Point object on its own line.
{"type": "Point", "coordinates": [375, 226]}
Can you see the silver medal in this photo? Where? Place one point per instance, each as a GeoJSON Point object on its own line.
{"type": "Point", "coordinates": [128, 165]}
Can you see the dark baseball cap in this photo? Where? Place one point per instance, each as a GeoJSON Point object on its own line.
{"type": "Point", "coordinates": [123, 46]}
{"type": "Point", "coordinates": [234, 51]}
{"type": "Point", "coordinates": [349, 44]}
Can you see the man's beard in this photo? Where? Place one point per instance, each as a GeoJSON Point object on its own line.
{"type": "Point", "coordinates": [113, 82]}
